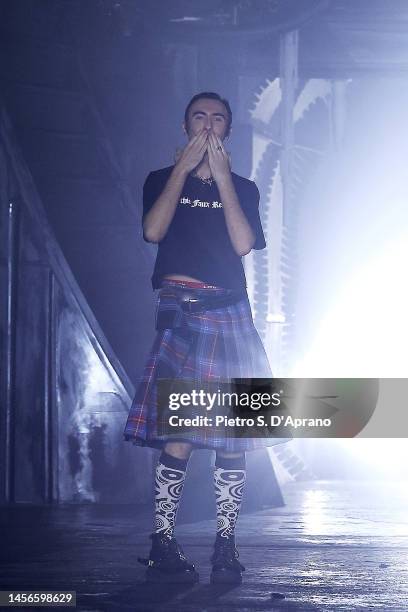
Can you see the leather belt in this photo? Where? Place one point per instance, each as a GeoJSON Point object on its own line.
{"type": "Point", "coordinates": [173, 304]}
{"type": "Point", "coordinates": [200, 304]}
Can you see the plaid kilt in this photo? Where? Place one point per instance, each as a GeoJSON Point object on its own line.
{"type": "Point", "coordinates": [214, 345]}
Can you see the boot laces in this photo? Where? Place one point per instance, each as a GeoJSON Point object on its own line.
{"type": "Point", "coordinates": [166, 551]}
{"type": "Point", "coordinates": [225, 554]}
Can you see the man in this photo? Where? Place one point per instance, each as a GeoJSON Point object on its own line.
{"type": "Point", "coordinates": [204, 219]}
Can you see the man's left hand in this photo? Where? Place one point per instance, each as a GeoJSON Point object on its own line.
{"type": "Point", "coordinates": [218, 158]}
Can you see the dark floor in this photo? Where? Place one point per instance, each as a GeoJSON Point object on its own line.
{"type": "Point", "coordinates": [335, 546]}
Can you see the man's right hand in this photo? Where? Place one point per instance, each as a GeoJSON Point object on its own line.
{"type": "Point", "coordinates": [193, 153]}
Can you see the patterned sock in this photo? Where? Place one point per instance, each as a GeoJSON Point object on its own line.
{"type": "Point", "coordinates": [229, 480]}
{"type": "Point", "coordinates": [170, 476]}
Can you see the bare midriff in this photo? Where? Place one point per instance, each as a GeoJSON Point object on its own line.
{"type": "Point", "coordinates": [182, 277]}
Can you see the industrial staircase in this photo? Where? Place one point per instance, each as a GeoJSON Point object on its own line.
{"type": "Point", "coordinates": [71, 259]}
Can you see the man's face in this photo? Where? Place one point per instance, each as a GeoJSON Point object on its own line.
{"type": "Point", "coordinates": [207, 113]}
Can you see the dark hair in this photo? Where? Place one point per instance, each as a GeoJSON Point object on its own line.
{"type": "Point", "coordinates": [210, 95]}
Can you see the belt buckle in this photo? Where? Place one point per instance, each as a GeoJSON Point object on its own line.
{"type": "Point", "coordinates": [190, 305]}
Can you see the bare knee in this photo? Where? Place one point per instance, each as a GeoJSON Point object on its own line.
{"type": "Point", "coordinates": [181, 450]}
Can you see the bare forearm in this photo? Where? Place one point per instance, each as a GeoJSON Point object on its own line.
{"type": "Point", "coordinates": [239, 230]}
{"type": "Point", "coordinates": [159, 217]}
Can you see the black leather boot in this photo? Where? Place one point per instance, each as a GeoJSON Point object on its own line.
{"type": "Point", "coordinates": [226, 567]}
{"type": "Point", "coordinates": [167, 561]}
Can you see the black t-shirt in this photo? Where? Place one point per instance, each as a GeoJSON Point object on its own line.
{"type": "Point", "coordinates": [197, 242]}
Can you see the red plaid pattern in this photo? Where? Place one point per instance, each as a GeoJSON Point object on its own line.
{"type": "Point", "coordinates": [214, 345]}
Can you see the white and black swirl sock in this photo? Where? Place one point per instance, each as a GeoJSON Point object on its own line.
{"type": "Point", "coordinates": [229, 480]}
{"type": "Point", "coordinates": [169, 481]}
